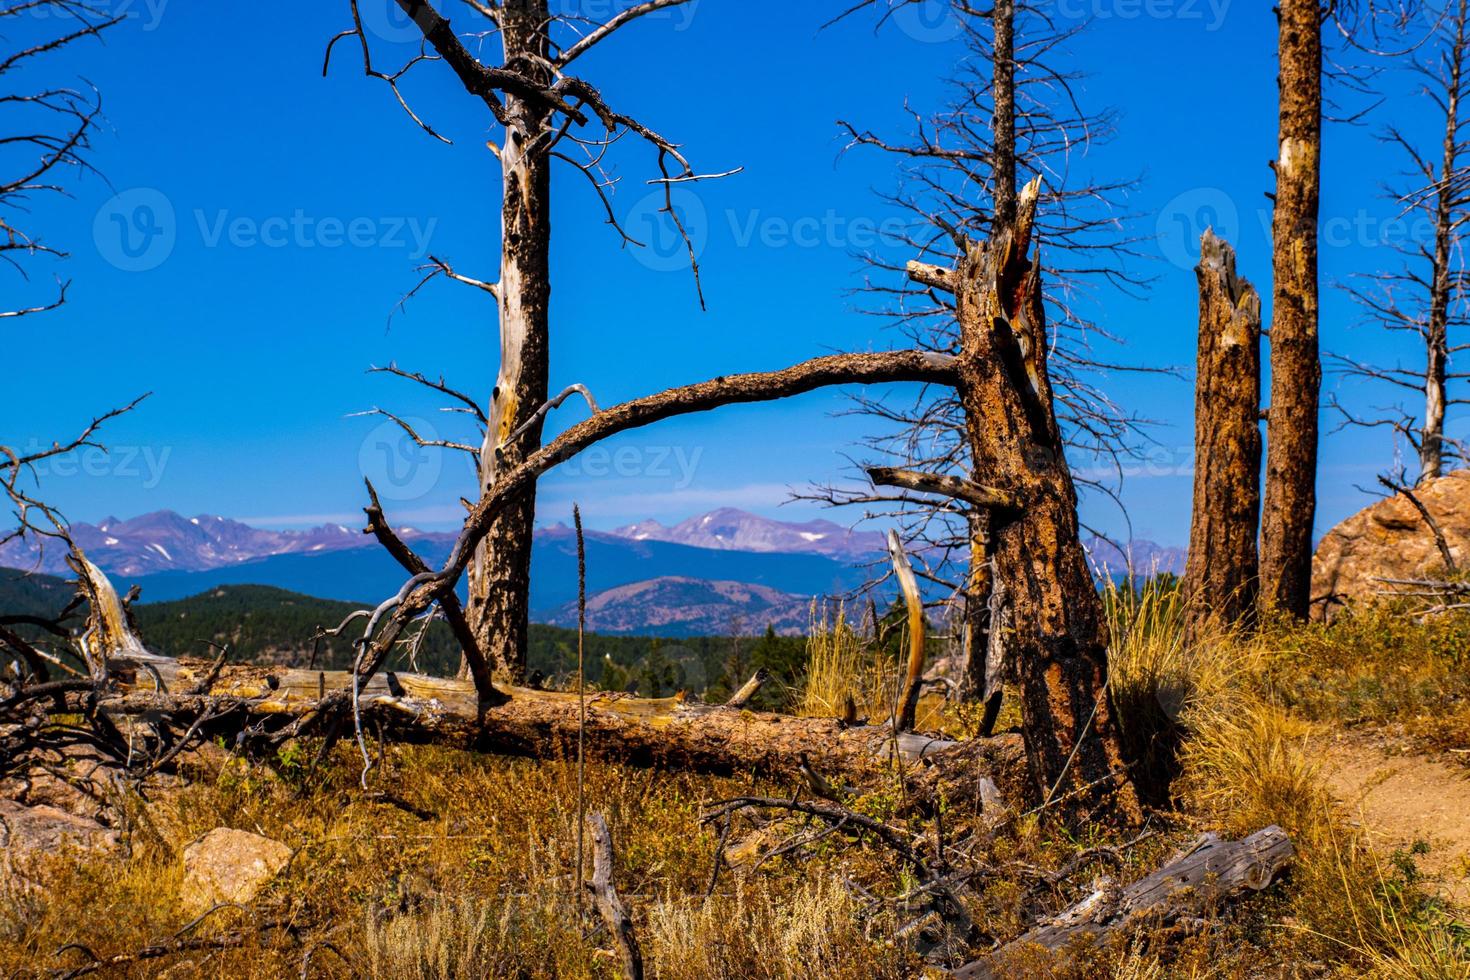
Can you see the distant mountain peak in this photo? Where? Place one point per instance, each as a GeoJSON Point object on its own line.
{"type": "Point", "coordinates": [732, 529]}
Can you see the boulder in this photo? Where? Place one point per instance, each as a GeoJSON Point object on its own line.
{"type": "Point", "coordinates": [27, 832]}
{"type": "Point", "coordinates": [1391, 540]}
{"type": "Point", "coordinates": [228, 865]}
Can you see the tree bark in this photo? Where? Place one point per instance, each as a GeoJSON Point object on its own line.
{"type": "Point", "coordinates": [1220, 578]}
{"type": "Point", "coordinates": [500, 578]}
{"type": "Point", "coordinates": [1296, 370]}
{"type": "Point", "coordinates": [671, 732]}
{"type": "Point", "coordinates": [1187, 887]}
{"type": "Point", "coordinates": [1003, 81]}
{"type": "Point", "coordinates": [1436, 340]}
{"type": "Point", "coordinates": [1060, 637]}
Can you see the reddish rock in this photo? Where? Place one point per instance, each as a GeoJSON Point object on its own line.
{"type": "Point", "coordinates": [1391, 540]}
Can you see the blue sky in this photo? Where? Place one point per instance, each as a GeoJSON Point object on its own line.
{"type": "Point", "coordinates": [294, 209]}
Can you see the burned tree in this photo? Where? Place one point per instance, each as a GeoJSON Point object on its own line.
{"type": "Point", "coordinates": [48, 128]}
{"type": "Point", "coordinates": [1425, 299]}
{"type": "Point", "coordinates": [542, 110]}
{"type": "Point", "coordinates": [1013, 115]}
{"type": "Point", "coordinates": [1060, 637]}
{"type": "Point", "coordinates": [1220, 579]}
{"type": "Point", "coordinates": [1296, 370]}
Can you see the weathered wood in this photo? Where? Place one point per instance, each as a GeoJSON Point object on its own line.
{"type": "Point", "coordinates": [908, 698]}
{"type": "Point", "coordinates": [749, 689]}
{"type": "Point", "coordinates": [1210, 872]}
{"type": "Point", "coordinates": [605, 896]}
{"type": "Point", "coordinates": [667, 732]}
{"type": "Point", "coordinates": [1296, 370]}
{"type": "Point", "coordinates": [1220, 578]}
{"type": "Point", "coordinates": [1058, 635]}
{"type": "Point", "coordinates": [500, 577]}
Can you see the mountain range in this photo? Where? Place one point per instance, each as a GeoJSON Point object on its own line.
{"type": "Point", "coordinates": [724, 570]}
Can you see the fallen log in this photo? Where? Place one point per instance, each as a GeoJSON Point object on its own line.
{"type": "Point", "coordinates": [674, 732]}
{"type": "Point", "coordinates": [1208, 873]}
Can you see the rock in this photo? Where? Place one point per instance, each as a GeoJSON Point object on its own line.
{"type": "Point", "coordinates": [1391, 540]}
{"type": "Point", "coordinates": [28, 831]}
{"type": "Point", "coordinates": [228, 865]}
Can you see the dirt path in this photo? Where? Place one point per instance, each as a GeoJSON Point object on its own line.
{"type": "Point", "coordinates": [1401, 797]}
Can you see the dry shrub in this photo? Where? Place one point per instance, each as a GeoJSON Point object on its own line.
{"type": "Point", "coordinates": [841, 666]}
{"type": "Point", "coordinates": [757, 933]}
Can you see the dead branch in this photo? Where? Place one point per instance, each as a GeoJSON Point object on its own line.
{"type": "Point", "coordinates": [1209, 873]}
{"type": "Point", "coordinates": [605, 896]}
{"type": "Point", "coordinates": [908, 698]}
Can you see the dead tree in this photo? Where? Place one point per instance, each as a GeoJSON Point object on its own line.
{"type": "Point", "coordinates": [542, 109]}
{"type": "Point", "coordinates": [1220, 579]}
{"type": "Point", "coordinates": [1001, 374]}
{"type": "Point", "coordinates": [1013, 115]}
{"type": "Point", "coordinates": [1296, 369]}
{"type": "Point", "coordinates": [1425, 299]}
{"type": "Point", "coordinates": [1059, 634]}
{"type": "Point", "coordinates": [47, 128]}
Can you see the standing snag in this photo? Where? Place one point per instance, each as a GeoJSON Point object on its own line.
{"type": "Point", "coordinates": [1058, 634]}
{"type": "Point", "coordinates": [1296, 371]}
{"type": "Point", "coordinates": [1220, 579]}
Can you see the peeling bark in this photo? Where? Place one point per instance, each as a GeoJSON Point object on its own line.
{"type": "Point", "coordinates": [1220, 579]}
{"type": "Point", "coordinates": [500, 579]}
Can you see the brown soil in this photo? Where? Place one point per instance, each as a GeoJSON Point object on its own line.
{"type": "Point", "coordinates": [1400, 797]}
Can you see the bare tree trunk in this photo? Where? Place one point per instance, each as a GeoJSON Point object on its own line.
{"type": "Point", "coordinates": [1060, 636]}
{"type": "Point", "coordinates": [1431, 439]}
{"type": "Point", "coordinates": [980, 580]}
{"type": "Point", "coordinates": [1220, 580]}
{"type": "Point", "coordinates": [500, 579]}
{"type": "Point", "coordinates": [1003, 80]}
{"type": "Point", "coordinates": [1296, 370]}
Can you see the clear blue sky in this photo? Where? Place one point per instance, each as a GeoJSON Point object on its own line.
{"type": "Point", "coordinates": [300, 206]}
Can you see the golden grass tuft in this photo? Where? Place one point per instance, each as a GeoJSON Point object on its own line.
{"type": "Point", "coordinates": [842, 666]}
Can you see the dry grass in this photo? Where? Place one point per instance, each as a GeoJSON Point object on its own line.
{"type": "Point", "coordinates": [462, 865]}
{"type": "Point", "coordinates": [841, 667]}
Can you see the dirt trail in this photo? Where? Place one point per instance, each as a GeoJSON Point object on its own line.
{"type": "Point", "coordinates": [1401, 797]}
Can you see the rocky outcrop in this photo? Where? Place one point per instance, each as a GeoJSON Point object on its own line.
{"type": "Point", "coordinates": [228, 865]}
{"type": "Point", "coordinates": [42, 829]}
{"type": "Point", "coordinates": [1390, 539]}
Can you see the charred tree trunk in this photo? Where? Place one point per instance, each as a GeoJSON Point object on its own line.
{"type": "Point", "coordinates": [1003, 81]}
{"type": "Point", "coordinates": [1059, 641]}
{"type": "Point", "coordinates": [1296, 370]}
{"type": "Point", "coordinates": [501, 575]}
{"type": "Point", "coordinates": [1220, 580]}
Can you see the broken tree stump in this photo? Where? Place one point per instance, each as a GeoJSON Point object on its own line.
{"type": "Point", "coordinates": [1208, 873]}
{"type": "Point", "coordinates": [605, 897]}
{"type": "Point", "coordinates": [1222, 573]}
